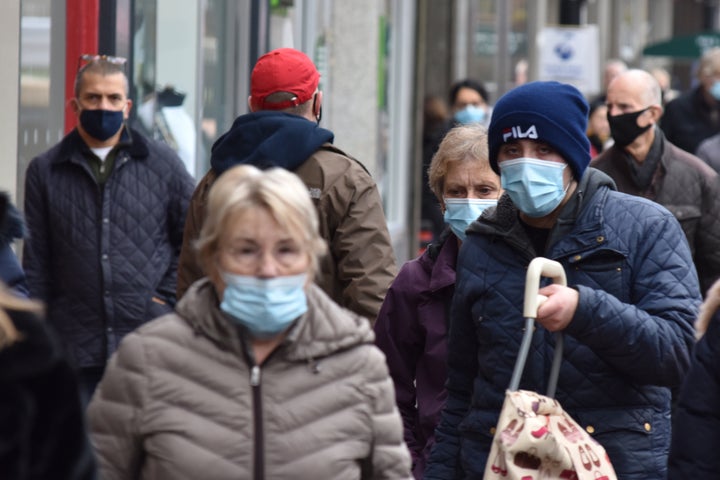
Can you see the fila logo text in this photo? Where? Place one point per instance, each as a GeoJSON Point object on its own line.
{"type": "Point", "coordinates": [516, 132]}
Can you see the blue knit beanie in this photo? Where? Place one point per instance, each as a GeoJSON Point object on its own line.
{"type": "Point", "coordinates": [551, 112]}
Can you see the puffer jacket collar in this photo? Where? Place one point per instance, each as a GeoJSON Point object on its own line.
{"type": "Point", "coordinates": [326, 328]}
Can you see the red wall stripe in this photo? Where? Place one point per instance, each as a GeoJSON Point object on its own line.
{"type": "Point", "coordinates": [83, 17]}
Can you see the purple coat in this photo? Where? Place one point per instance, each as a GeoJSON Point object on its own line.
{"type": "Point", "coordinates": [411, 330]}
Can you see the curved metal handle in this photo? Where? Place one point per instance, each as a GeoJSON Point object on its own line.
{"type": "Point", "coordinates": [539, 267]}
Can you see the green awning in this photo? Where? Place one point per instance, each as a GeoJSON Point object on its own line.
{"type": "Point", "coordinates": [684, 46]}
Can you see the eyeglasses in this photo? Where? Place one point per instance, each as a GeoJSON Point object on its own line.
{"type": "Point", "coordinates": [87, 58]}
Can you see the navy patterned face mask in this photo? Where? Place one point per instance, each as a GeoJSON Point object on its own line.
{"type": "Point", "coordinates": [101, 124]}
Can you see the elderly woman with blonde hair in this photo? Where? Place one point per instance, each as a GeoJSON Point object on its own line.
{"type": "Point", "coordinates": [258, 374]}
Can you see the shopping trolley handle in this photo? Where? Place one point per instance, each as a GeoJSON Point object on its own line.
{"type": "Point", "coordinates": [540, 267]}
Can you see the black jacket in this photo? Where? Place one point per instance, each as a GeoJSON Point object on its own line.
{"type": "Point", "coordinates": [688, 120]}
{"type": "Point", "coordinates": [98, 255]}
{"type": "Point", "coordinates": [12, 227]}
{"type": "Point", "coordinates": [696, 420]}
{"type": "Point", "coordinates": [42, 431]}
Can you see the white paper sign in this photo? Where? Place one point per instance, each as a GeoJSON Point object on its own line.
{"type": "Point", "coordinates": [570, 55]}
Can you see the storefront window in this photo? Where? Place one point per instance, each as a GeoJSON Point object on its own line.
{"type": "Point", "coordinates": [42, 50]}
{"type": "Point", "coordinates": [485, 26]}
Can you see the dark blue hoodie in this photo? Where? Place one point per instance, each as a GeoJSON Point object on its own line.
{"type": "Point", "coordinates": [12, 227]}
{"type": "Point", "coordinates": [268, 139]}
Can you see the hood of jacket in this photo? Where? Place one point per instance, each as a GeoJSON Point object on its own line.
{"type": "Point", "coordinates": [324, 329]}
{"type": "Point", "coordinates": [268, 139]}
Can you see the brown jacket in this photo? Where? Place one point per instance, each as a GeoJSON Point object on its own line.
{"type": "Point", "coordinates": [181, 400]}
{"type": "Point", "coordinates": [360, 265]}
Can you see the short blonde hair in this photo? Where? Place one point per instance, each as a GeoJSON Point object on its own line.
{"type": "Point", "coordinates": [465, 143]}
{"type": "Point", "coordinates": [279, 191]}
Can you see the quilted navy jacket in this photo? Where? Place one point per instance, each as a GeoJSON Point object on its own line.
{"type": "Point", "coordinates": [628, 342]}
{"type": "Point", "coordinates": [687, 187]}
{"type": "Point", "coordinates": [696, 419]}
{"type": "Point", "coordinates": [96, 255]}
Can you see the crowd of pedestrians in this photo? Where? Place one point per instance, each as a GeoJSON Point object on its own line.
{"type": "Point", "coordinates": [255, 325]}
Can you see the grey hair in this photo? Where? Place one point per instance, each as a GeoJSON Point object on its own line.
{"type": "Point", "coordinates": [100, 67]}
{"type": "Point", "coordinates": [464, 143]}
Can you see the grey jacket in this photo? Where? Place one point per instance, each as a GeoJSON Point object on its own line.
{"type": "Point", "coordinates": [182, 399]}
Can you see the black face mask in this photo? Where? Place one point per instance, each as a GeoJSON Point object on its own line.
{"type": "Point", "coordinates": [624, 128]}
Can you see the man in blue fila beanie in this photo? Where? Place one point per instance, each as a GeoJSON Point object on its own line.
{"type": "Point", "coordinates": [626, 314]}
{"type": "Point", "coordinates": [555, 113]}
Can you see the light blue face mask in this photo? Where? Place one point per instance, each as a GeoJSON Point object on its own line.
{"type": "Point", "coordinates": [715, 90]}
{"type": "Point", "coordinates": [536, 187]}
{"type": "Point", "coordinates": [265, 307]}
{"type": "Point", "coordinates": [470, 114]}
{"type": "Point", "coordinates": [461, 212]}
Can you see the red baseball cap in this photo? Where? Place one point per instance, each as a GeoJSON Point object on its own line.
{"type": "Point", "coordinates": [283, 70]}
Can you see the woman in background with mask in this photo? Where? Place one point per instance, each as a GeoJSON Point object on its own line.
{"type": "Point", "coordinates": [258, 374]}
{"type": "Point", "coordinates": [469, 102]}
{"type": "Point", "coordinates": [412, 325]}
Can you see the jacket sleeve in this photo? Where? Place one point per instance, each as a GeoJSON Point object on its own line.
{"type": "Point", "coordinates": [360, 245]}
{"type": "Point", "coordinates": [189, 269]}
{"type": "Point", "coordinates": [696, 419]}
{"type": "Point", "coordinates": [707, 243]}
{"type": "Point", "coordinates": [444, 462]}
{"type": "Point", "coordinates": [389, 458]}
{"type": "Point", "coordinates": [116, 410]}
{"type": "Point", "coordinates": [649, 338]}
{"type": "Point", "coordinates": [181, 190]}
{"type": "Point", "coordinates": [36, 251]}
{"type": "Point", "coordinates": [399, 335]}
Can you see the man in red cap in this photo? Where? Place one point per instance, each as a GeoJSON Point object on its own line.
{"type": "Point", "coordinates": [283, 130]}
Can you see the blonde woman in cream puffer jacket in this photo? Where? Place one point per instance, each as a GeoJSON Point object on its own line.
{"type": "Point", "coordinates": [181, 400]}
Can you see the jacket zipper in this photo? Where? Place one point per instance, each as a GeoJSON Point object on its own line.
{"type": "Point", "coordinates": [257, 422]}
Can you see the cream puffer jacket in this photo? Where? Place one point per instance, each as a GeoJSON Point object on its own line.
{"type": "Point", "coordinates": [182, 399]}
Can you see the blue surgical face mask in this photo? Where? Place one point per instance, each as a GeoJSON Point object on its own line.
{"type": "Point", "coordinates": [536, 187]}
{"type": "Point", "coordinates": [265, 307]}
{"type": "Point", "coordinates": [470, 114]}
{"type": "Point", "coordinates": [101, 124]}
{"type": "Point", "coordinates": [461, 212]}
{"type": "Point", "coordinates": [715, 90]}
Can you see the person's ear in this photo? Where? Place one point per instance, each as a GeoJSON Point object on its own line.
{"type": "Point", "coordinates": [656, 111]}
{"type": "Point", "coordinates": [74, 105]}
{"type": "Point", "coordinates": [127, 108]}
{"type": "Point", "coordinates": [317, 105]}
{"type": "Point", "coordinates": [250, 104]}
